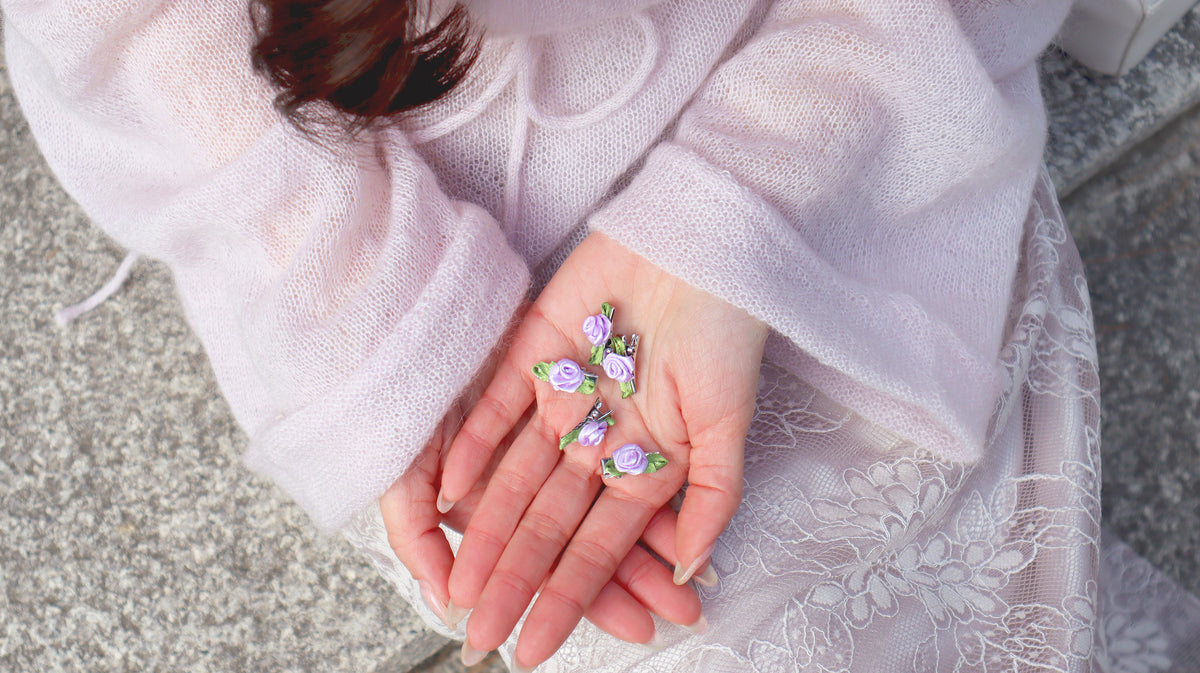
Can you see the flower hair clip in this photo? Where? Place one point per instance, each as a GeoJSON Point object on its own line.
{"type": "Point", "coordinates": [598, 329]}
{"type": "Point", "coordinates": [591, 430]}
{"type": "Point", "coordinates": [614, 353]}
{"type": "Point", "coordinates": [631, 459]}
{"type": "Point", "coordinates": [618, 363]}
{"type": "Point", "coordinates": [566, 375]}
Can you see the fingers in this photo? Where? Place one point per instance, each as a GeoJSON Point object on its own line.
{"type": "Point", "coordinates": [499, 409]}
{"type": "Point", "coordinates": [508, 550]}
{"type": "Point", "coordinates": [528, 557]}
{"type": "Point", "coordinates": [620, 615]}
{"type": "Point", "coordinates": [649, 581]}
{"type": "Point", "coordinates": [520, 476]}
{"type": "Point", "coordinates": [713, 496]}
{"type": "Point", "coordinates": [614, 611]}
{"type": "Point", "coordinates": [411, 521]}
{"type": "Point", "coordinates": [641, 580]}
{"type": "Point", "coordinates": [521, 473]}
{"type": "Point", "coordinates": [594, 555]}
{"type": "Point", "coordinates": [620, 608]}
{"type": "Point", "coordinates": [659, 536]}
{"type": "Point", "coordinates": [506, 399]}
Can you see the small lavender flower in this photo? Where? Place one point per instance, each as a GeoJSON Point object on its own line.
{"type": "Point", "coordinates": [566, 375]}
{"type": "Point", "coordinates": [630, 459]}
{"type": "Point", "coordinates": [597, 328]}
{"type": "Point", "coordinates": [618, 367]}
{"type": "Point", "coordinates": [592, 433]}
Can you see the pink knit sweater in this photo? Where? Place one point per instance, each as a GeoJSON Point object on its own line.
{"type": "Point", "coordinates": [856, 173]}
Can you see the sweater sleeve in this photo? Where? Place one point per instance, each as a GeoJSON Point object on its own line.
{"type": "Point", "coordinates": [858, 175]}
{"type": "Point", "coordinates": [343, 299]}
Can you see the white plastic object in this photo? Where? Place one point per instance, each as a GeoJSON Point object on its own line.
{"type": "Point", "coordinates": [1112, 36]}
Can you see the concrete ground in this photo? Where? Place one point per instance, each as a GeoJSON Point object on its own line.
{"type": "Point", "coordinates": [132, 540]}
{"type": "Point", "coordinates": [1125, 154]}
{"type": "Point", "coordinates": [1137, 226]}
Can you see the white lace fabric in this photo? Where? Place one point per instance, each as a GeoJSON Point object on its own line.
{"type": "Point", "coordinates": [922, 487]}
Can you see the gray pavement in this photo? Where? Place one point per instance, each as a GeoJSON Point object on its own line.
{"type": "Point", "coordinates": [1137, 226]}
{"type": "Point", "coordinates": [132, 540]}
{"type": "Point", "coordinates": [1125, 155]}
{"type": "Point", "coordinates": [1096, 119]}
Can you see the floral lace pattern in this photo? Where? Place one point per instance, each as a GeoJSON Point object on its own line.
{"type": "Point", "coordinates": [855, 550]}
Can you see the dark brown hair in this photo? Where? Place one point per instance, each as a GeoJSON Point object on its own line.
{"type": "Point", "coordinates": [358, 62]}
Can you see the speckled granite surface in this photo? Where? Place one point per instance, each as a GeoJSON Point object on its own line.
{"type": "Point", "coordinates": [1094, 118]}
{"type": "Point", "coordinates": [132, 540]}
{"type": "Point", "coordinates": [1125, 153]}
{"type": "Point", "coordinates": [447, 661]}
{"type": "Point", "coordinates": [1137, 226]}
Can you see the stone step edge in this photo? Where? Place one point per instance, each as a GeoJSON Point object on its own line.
{"type": "Point", "coordinates": [1094, 118]}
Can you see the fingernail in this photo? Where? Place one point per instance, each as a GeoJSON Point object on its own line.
{"type": "Point", "coordinates": [471, 656]}
{"type": "Point", "coordinates": [707, 578]}
{"type": "Point", "coordinates": [443, 505]}
{"type": "Point", "coordinates": [700, 627]}
{"type": "Point", "coordinates": [431, 600]}
{"type": "Point", "coordinates": [655, 644]}
{"type": "Point", "coordinates": [518, 668]}
{"type": "Point", "coordinates": [682, 575]}
{"type": "Point", "coordinates": [454, 615]}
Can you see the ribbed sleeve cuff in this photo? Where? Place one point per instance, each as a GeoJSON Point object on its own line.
{"type": "Point", "coordinates": [343, 450]}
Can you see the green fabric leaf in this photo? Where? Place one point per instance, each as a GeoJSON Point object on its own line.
{"type": "Point", "coordinates": [588, 386]}
{"type": "Point", "coordinates": [610, 420]}
{"type": "Point", "coordinates": [610, 469]}
{"type": "Point", "coordinates": [542, 370]}
{"type": "Point", "coordinates": [655, 462]}
{"type": "Point", "coordinates": [627, 389]}
{"type": "Point", "coordinates": [568, 438]}
{"type": "Point", "coordinates": [617, 344]}
{"type": "Point", "coordinates": [607, 309]}
{"type": "Point", "coordinates": [597, 357]}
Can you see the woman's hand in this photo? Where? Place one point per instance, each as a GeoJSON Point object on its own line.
{"type": "Point", "coordinates": [413, 525]}
{"type": "Point", "coordinates": [697, 369]}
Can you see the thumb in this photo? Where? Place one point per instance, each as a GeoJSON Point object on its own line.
{"type": "Point", "coordinates": [411, 519]}
{"type": "Point", "coordinates": [713, 495]}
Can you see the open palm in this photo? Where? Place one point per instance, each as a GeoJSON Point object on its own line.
{"type": "Point", "coordinates": [547, 520]}
{"type": "Point", "coordinates": [414, 527]}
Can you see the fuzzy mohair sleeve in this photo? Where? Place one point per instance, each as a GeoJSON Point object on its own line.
{"type": "Point", "coordinates": [858, 175]}
{"type": "Point", "coordinates": [343, 300]}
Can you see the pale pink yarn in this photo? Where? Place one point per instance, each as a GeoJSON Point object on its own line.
{"type": "Point", "coordinates": [855, 173]}
{"type": "Point", "coordinates": [922, 486]}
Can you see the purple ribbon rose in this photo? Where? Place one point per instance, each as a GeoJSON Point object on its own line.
{"type": "Point", "coordinates": [566, 375]}
{"type": "Point", "coordinates": [618, 367]}
{"type": "Point", "coordinates": [597, 328]}
{"type": "Point", "coordinates": [592, 433]}
{"type": "Point", "coordinates": [630, 459]}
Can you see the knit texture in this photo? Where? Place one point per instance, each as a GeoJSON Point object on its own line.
{"type": "Point", "coordinates": [855, 173]}
{"type": "Point", "coordinates": [922, 486]}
